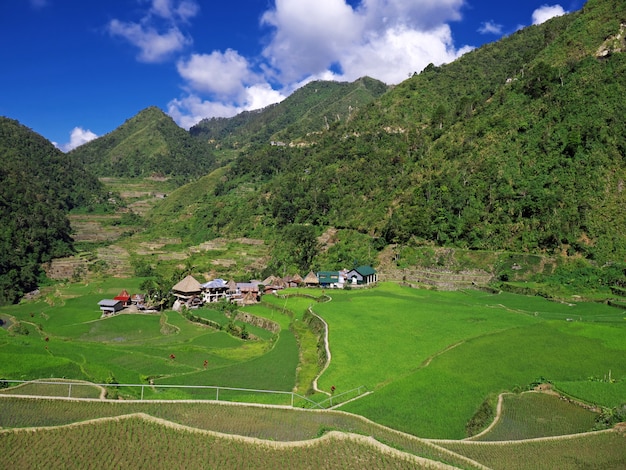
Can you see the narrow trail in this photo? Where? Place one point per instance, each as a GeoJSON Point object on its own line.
{"type": "Point", "coordinates": [327, 349]}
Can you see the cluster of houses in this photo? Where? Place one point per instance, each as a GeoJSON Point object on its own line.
{"type": "Point", "coordinates": [191, 293]}
{"type": "Point", "coordinates": [121, 301]}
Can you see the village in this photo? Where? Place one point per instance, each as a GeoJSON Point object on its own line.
{"type": "Point", "coordinates": [190, 293]}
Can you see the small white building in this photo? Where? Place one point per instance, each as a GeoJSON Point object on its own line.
{"type": "Point", "coordinates": [363, 275]}
{"type": "Point", "coordinates": [215, 290]}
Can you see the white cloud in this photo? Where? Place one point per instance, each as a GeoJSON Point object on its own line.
{"type": "Point", "coordinates": [191, 109]}
{"type": "Point", "coordinates": [420, 15]}
{"type": "Point", "coordinates": [489, 27]}
{"type": "Point", "coordinates": [224, 74]}
{"type": "Point", "coordinates": [171, 10]}
{"type": "Point", "coordinates": [309, 35]}
{"type": "Point", "coordinates": [262, 95]}
{"type": "Point", "coordinates": [545, 12]}
{"type": "Point", "coordinates": [388, 36]}
{"type": "Point", "coordinates": [318, 39]}
{"type": "Point", "coordinates": [78, 137]}
{"type": "Point", "coordinates": [399, 52]}
{"type": "Point", "coordinates": [153, 45]}
{"type": "Point", "coordinates": [157, 35]}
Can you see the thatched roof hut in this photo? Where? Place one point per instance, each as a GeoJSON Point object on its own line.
{"type": "Point", "coordinates": [273, 283]}
{"type": "Point", "coordinates": [293, 281]}
{"type": "Point", "coordinates": [311, 279]}
{"type": "Point", "coordinates": [186, 288]}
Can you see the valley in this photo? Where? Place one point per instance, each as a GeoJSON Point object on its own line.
{"type": "Point", "coordinates": [484, 199]}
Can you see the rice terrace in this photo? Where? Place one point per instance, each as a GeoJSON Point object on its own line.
{"type": "Point", "coordinates": [422, 274]}
{"type": "Point", "coordinates": [423, 368]}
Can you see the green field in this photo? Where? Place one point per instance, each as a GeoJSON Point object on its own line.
{"type": "Point", "coordinates": [604, 450]}
{"type": "Point", "coordinates": [199, 433]}
{"type": "Point", "coordinates": [67, 338]}
{"type": "Point", "coordinates": [534, 415]}
{"type": "Point", "coordinates": [430, 358]}
{"type": "Point", "coordinates": [137, 442]}
{"type": "Point", "coordinates": [434, 357]}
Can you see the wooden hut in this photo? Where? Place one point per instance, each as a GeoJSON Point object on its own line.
{"type": "Point", "coordinates": [273, 283]}
{"type": "Point", "coordinates": [293, 281]}
{"type": "Point", "coordinates": [311, 280]}
{"type": "Point", "coordinates": [186, 291]}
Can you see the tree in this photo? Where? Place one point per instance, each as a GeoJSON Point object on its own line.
{"type": "Point", "coordinates": [157, 290]}
{"type": "Point", "coordinates": [296, 247]}
{"type": "Point", "coordinates": [439, 115]}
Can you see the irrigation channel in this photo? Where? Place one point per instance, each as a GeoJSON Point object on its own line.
{"type": "Point", "coordinates": [294, 399]}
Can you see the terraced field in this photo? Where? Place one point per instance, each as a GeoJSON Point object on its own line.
{"type": "Point", "coordinates": [197, 434]}
{"type": "Point", "coordinates": [431, 360]}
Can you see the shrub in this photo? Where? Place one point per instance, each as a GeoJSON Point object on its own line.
{"type": "Point", "coordinates": [481, 419]}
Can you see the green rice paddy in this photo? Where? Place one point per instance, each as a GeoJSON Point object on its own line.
{"type": "Point", "coordinates": [429, 358]}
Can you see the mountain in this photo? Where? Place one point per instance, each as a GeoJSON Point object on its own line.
{"type": "Point", "coordinates": [519, 145]}
{"type": "Point", "coordinates": [148, 143]}
{"type": "Point", "coordinates": [38, 186]}
{"type": "Point", "coordinates": [310, 109]}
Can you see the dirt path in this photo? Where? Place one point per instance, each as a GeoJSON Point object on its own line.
{"type": "Point", "coordinates": [328, 355]}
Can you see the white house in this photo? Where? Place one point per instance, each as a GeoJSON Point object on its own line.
{"type": "Point", "coordinates": [215, 290]}
{"type": "Point", "coordinates": [363, 275]}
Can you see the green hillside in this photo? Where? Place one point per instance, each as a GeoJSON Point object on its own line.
{"type": "Point", "coordinates": [518, 145]}
{"type": "Point", "coordinates": [149, 143]}
{"type": "Point", "coordinates": [39, 185]}
{"type": "Point", "coordinates": [309, 110]}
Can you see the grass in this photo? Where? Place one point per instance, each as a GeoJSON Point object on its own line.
{"type": "Point", "coordinates": [605, 450]}
{"type": "Point", "coordinates": [268, 423]}
{"type": "Point", "coordinates": [56, 389]}
{"type": "Point", "coordinates": [274, 425]}
{"type": "Point", "coordinates": [431, 358]}
{"type": "Point", "coordinates": [534, 415]}
{"type": "Point", "coordinates": [160, 446]}
{"type": "Point", "coordinates": [596, 390]}
{"type": "Point", "coordinates": [438, 400]}
{"type": "Point", "coordinates": [383, 334]}
{"type": "Point", "coordinates": [67, 338]}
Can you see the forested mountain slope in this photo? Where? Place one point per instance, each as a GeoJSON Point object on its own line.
{"type": "Point", "coordinates": [146, 144]}
{"type": "Point", "coordinates": [38, 186]}
{"type": "Point", "coordinates": [309, 110]}
{"type": "Point", "coordinates": [518, 145]}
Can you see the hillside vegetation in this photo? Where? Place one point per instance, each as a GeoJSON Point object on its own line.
{"type": "Point", "coordinates": [39, 185]}
{"type": "Point", "coordinates": [309, 110]}
{"type": "Point", "coordinates": [518, 145]}
{"type": "Point", "coordinates": [147, 144]}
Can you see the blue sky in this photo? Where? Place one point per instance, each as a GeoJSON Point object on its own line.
{"type": "Point", "coordinates": [76, 69]}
